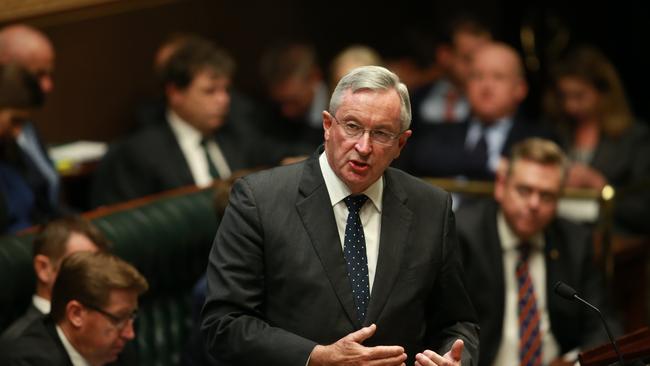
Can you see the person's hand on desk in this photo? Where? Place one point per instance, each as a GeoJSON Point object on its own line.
{"type": "Point", "coordinates": [451, 358]}
{"type": "Point", "coordinates": [348, 351]}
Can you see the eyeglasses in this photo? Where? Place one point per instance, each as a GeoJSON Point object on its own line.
{"type": "Point", "coordinates": [119, 322]}
{"type": "Point", "coordinates": [355, 130]}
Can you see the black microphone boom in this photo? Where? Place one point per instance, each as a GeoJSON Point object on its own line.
{"type": "Point", "coordinates": [567, 292]}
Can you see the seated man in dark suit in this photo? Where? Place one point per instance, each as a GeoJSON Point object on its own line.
{"type": "Point", "coordinates": [19, 93]}
{"type": "Point", "coordinates": [56, 240]}
{"type": "Point", "coordinates": [515, 250]}
{"type": "Point", "coordinates": [495, 89]}
{"type": "Point", "coordinates": [94, 303]}
{"type": "Point", "coordinates": [194, 144]}
{"type": "Point", "coordinates": [32, 50]}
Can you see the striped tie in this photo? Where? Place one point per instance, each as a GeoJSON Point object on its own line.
{"type": "Point", "coordinates": [530, 339]}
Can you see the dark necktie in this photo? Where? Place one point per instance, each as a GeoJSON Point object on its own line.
{"type": "Point", "coordinates": [530, 338]}
{"type": "Point", "coordinates": [211, 167]}
{"type": "Point", "coordinates": [354, 251]}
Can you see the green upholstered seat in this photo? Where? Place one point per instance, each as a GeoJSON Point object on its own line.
{"type": "Point", "coordinates": [168, 239]}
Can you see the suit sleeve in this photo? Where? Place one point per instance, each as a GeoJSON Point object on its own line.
{"type": "Point", "coordinates": [455, 317]}
{"type": "Point", "coordinates": [233, 321]}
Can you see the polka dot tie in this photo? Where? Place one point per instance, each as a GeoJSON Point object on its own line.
{"type": "Point", "coordinates": [354, 251]}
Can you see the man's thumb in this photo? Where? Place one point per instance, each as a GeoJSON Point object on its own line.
{"type": "Point", "coordinates": [457, 350]}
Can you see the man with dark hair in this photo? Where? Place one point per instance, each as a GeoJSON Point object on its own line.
{"type": "Point", "coordinates": [514, 251]}
{"type": "Point", "coordinates": [53, 243]}
{"type": "Point", "coordinates": [94, 304]}
{"type": "Point", "coordinates": [193, 143]}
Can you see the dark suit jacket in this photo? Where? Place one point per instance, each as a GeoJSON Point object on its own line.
{"type": "Point", "coordinates": [17, 328]}
{"type": "Point", "coordinates": [278, 283]}
{"type": "Point", "coordinates": [151, 161]}
{"type": "Point", "coordinates": [40, 345]}
{"type": "Point", "coordinates": [439, 150]}
{"type": "Point", "coordinates": [571, 262]}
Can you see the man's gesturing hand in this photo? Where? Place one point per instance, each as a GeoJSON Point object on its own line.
{"type": "Point", "coordinates": [348, 351]}
{"type": "Point", "coordinates": [451, 358]}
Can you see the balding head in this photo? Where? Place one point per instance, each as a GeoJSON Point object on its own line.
{"type": "Point", "coordinates": [496, 84]}
{"type": "Point", "coordinates": [31, 49]}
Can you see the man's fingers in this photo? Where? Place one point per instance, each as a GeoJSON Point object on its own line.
{"type": "Point", "coordinates": [457, 350]}
{"type": "Point", "coordinates": [387, 355]}
{"type": "Point", "coordinates": [436, 358]}
{"type": "Point", "coordinates": [362, 334]}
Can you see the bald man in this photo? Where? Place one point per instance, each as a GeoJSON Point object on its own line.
{"type": "Point", "coordinates": [32, 50]}
{"type": "Point", "coordinates": [496, 87]}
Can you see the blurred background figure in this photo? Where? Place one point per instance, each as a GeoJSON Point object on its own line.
{"type": "Point", "coordinates": [19, 94]}
{"type": "Point", "coordinates": [496, 87]}
{"type": "Point", "coordinates": [444, 100]}
{"type": "Point", "coordinates": [606, 143]}
{"type": "Point", "coordinates": [194, 142]}
{"type": "Point", "coordinates": [515, 249]}
{"type": "Point", "coordinates": [298, 96]}
{"type": "Point", "coordinates": [32, 50]}
{"type": "Point", "coordinates": [350, 58]}
{"type": "Point", "coordinates": [54, 242]}
{"type": "Point", "coordinates": [94, 305]}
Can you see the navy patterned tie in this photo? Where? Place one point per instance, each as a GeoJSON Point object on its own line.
{"type": "Point", "coordinates": [530, 338]}
{"type": "Point", "coordinates": [354, 250]}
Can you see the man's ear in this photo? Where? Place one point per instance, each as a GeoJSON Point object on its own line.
{"type": "Point", "coordinates": [74, 313]}
{"type": "Point", "coordinates": [173, 93]}
{"type": "Point", "coordinates": [401, 141]}
{"type": "Point", "coordinates": [501, 175]}
{"type": "Point", "coordinates": [327, 124]}
{"type": "Point", "coordinates": [44, 269]}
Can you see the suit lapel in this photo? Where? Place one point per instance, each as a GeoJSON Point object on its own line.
{"type": "Point", "coordinates": [396, 220]}
{"type": "Point", "coordinates": [315, 210]}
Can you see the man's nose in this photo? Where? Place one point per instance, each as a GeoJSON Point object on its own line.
{"type": "Point", "coordinates": [364, 143]}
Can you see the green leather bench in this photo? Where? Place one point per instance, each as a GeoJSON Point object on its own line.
{"type": "Point", "coordinates": [166, 237]}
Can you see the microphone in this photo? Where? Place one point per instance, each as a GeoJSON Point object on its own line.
{"type": "Point", "coordinates": [567, 292]}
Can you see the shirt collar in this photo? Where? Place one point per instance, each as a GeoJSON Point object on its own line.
{"type": "Point", "coordinates": [183, 130]}
{"type": "Point", "coordinates": [338, 190]}
{"type": "Point", "coordinates": [75, 357]}
{"type": "Point", "coordinates": [43, 305]}
{"type": "Point", "coordinates": [510, 241]}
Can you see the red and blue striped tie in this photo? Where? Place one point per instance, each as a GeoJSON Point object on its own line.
{"type": "Point", "coordinates": [530, 338]}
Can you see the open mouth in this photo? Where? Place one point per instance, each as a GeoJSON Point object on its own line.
{"type": "Point", "coordinates": [359, 165]}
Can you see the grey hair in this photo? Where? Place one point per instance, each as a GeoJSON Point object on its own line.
{"type": "Point", "coordinates": [373, 78]}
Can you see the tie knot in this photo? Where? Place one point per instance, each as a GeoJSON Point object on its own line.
{"type": "Point", "coordinates": [354, 203]}
{"type": "Point", "coordinates": [524, 250]}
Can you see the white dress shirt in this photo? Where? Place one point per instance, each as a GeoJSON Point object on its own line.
{"type": "Point", "coordinates": [495, 137]}
{"type": "Point", "coordinates": [434, 106]}
{"type": "Point", "coordinates": [76, 358]}
{"type": "Point", "coordinates": [370, 213]}
{"type": "Point", "coordinates": [189, 139]}
{"type": "Point", "coordinates": [508, 353]}
{"type": "Point", "coordinates": [43, 305]}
